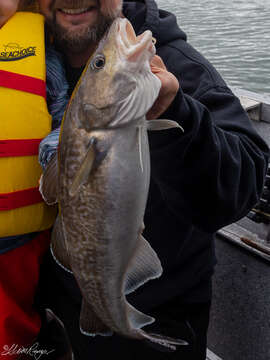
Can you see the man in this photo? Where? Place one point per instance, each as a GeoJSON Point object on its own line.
{"type": "Point", "coordinates": [202, 180]}
{"type": "Point", "coordinates": [29, 74]}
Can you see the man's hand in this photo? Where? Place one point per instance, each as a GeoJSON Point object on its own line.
{"type": "Point", "coordinates": [168, 91]}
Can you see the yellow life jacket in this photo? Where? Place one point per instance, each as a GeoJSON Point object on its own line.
{"type": "Point", "coordinates": [24, 122]}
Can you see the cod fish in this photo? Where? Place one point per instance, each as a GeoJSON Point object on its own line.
{"type": "Point", "coordinates": [104, 172]}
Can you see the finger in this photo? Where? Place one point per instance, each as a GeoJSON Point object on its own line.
{"type": "Point", "coordinates": [155, 112]}
{"type": "Point", "coordinates": [158, 62]}
{"type": "Point", "coordinates": [156, 70]}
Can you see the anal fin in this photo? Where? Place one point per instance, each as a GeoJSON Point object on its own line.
{"type": "Point", "coordinates": [136, 318]}
{"type": "Point", "coordinates": [144, 266]}
{"type": "Point", "coordinates": [90, 324]}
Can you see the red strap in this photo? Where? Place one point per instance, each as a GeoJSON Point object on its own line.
{"type": "Point", "coordinates": [25, 147]}
{"type": "Point", "coordinates": [23, 83]}
{"type": "Point", "coordinates": [17, 199]}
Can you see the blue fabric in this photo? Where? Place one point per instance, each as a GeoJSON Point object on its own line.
{"type": "Point", "coordinates": [57, 100]}
{"type": "Point", "coordinates": [13, 242]}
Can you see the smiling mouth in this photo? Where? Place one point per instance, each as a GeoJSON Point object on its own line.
{"type": "Point", "coordinates": [76, 11]}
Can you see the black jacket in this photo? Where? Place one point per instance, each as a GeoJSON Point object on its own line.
{"type": "Point", "coordinates": [201, 180]}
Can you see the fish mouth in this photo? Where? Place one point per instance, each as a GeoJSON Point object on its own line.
{"type": "Point", "coordinates": [132, 47]}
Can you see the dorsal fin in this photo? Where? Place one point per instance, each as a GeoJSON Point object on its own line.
{"type": "Point", "coordinates": [58, 245]}
{"type": "Point", "coordinates": [48, 182]}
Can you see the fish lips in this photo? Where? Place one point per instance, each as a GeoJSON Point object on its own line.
{"type": "Point", "coordinates": [132, 48]}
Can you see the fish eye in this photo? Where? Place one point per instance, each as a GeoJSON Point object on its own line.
{"type": "Point", "coordinates": [98, 62]}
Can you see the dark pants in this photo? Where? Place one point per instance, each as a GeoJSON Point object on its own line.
{"type": "Point", "coordinates": [59, 292]}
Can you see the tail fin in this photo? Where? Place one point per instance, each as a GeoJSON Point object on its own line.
{"type": "Point", "coordinates": [162, 343]}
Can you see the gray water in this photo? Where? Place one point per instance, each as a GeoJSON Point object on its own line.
{"type": "Point", "coordinates": [233, 35]}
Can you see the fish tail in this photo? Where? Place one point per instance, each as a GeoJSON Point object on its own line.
{"type": "Point", "coordinates": [162, 343]}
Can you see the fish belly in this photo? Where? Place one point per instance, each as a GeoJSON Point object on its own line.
{"type": "Point", "coordinates": [104, 221]}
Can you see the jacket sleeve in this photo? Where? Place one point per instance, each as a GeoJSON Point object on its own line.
{"type": "Point", "coordinates": [213, 173]}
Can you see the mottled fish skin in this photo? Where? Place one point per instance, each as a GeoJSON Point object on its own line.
{"type": "Point", "coordinates": [102, 204]}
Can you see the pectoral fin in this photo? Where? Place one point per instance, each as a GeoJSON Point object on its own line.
{"type": "Point", "coordinates": [48, 182]}
{"type": "Point", "coordinates": [58, 245]}
{"type": "Point", "coordinates": [162, 124]}
{"type": "Point", "coordinates": [144, 266]}
{"type": "Point", "coordinates": [85, 168]}
{"type": "Point", "coordinates": [140, 134]}
{"type": "Point", "coordinates": [90, 324]}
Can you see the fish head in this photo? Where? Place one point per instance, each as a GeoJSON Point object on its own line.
{"type": "Point", "coordinates": [117, 86]}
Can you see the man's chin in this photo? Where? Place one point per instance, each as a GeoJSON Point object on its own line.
{"type": "Point", "coordinates": [74, 41]}
{"type": "Point", "coordinates": [77, 39]}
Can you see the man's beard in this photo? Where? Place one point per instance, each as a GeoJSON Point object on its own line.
{"type": "Point", "coordinates": [78, 41]}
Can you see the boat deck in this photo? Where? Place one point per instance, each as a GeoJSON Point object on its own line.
{"type": "Point", "coordinates": [239, 326]}
{"type": "Point", "coordinates": [211, 356]}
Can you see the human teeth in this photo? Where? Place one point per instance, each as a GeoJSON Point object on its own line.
{"type": "Point", "coordinates": [74, 11]}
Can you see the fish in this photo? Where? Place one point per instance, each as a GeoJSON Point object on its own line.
{"type": "Point", "coordinates": [103, 174]}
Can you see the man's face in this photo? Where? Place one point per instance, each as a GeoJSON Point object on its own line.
{"type": "Point", "coordinates": [76, 23]}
